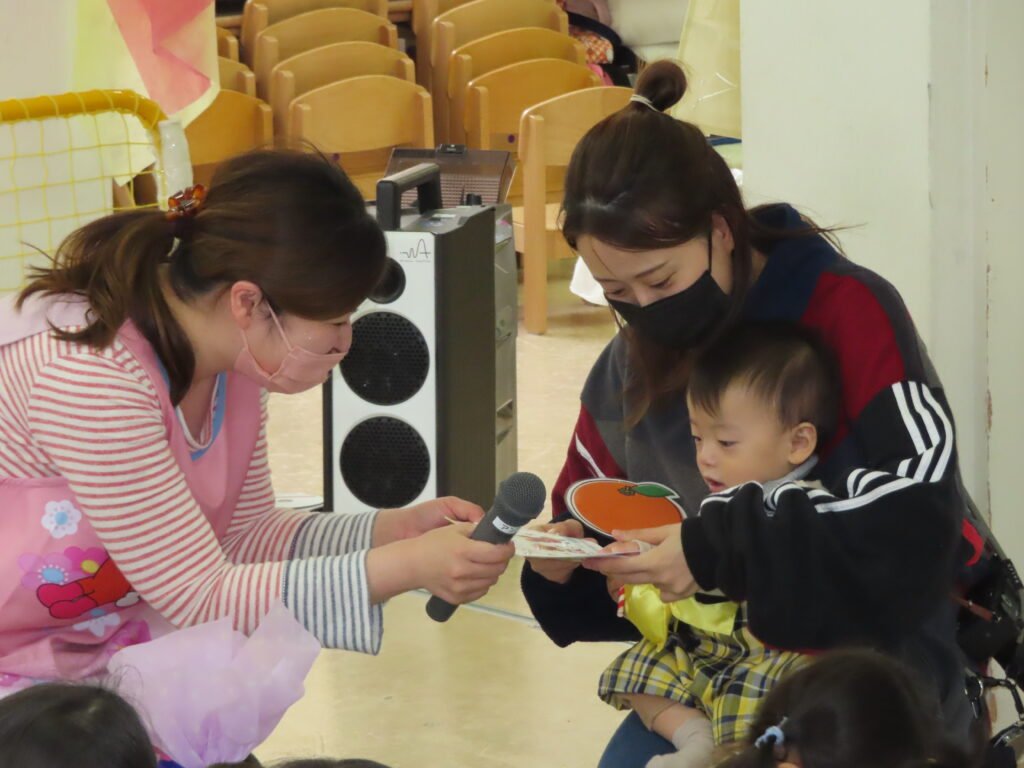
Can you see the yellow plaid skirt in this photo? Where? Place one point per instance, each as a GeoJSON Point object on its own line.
{"type": "Point", "coordinates": [723, 676]}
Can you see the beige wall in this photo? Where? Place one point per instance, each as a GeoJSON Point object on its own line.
{"type": "Point", "coordinates": [881, 116]}
{"type": "Point", "coordinates": [1000, 208]}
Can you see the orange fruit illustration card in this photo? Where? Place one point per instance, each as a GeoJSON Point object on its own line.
{"type": "Point", "coordinates": [607, 504]}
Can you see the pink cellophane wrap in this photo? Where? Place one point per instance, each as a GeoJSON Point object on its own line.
{"type": "Point", "coordinates": [210, 695]}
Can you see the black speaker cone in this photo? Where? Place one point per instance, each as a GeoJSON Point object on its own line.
{"type": "Point", "coordinates": [385, 463]}
{"type": "Point", "coordinates": [389, 360]}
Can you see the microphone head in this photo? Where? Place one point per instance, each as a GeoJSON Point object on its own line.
{"type": "Point", "coordinates": [520, 498]}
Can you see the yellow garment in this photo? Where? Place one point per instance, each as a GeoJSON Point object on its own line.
{"type": "Point", "coordinates": [653, 617]}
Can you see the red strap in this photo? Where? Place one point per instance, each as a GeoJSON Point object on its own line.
{"type": "Point", "coordinates": [970, 533]}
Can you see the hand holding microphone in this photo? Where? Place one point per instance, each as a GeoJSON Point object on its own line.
{"type": "Point", "coordinates": [452, 566]}
{"type": "Point", "coordinates": [520, 499]}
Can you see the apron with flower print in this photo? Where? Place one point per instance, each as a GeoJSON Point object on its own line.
{"type": "Point", "coordinates": [65, 607]}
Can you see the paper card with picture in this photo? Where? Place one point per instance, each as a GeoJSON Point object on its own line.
{"type": "Point", "coordinates": [541, 545]}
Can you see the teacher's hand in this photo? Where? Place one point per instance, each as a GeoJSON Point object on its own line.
{"type": "Point", "coordinates": [664, 566]}
{"type": "Point", "coordinates": [444, 561]}
{"type": "Point", "coordinates": [456, 568]}
{"type": "Point", "coordinates": [410, 522]}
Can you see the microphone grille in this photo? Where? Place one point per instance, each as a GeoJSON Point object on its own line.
{"type": "Point", "coordinates": [522, 495]}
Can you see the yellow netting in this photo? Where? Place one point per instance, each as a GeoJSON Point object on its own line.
{"type": "Point", "coordinates": [66, 160]}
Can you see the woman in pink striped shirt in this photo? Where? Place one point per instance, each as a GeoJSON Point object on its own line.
{"type": "Point", "coordinates": [135, 495]}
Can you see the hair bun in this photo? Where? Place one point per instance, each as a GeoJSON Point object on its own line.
{"type": "Point", "coordinates": [663, 83]}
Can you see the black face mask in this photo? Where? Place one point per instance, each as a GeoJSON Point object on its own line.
{"type": "Point", "coordinates": [683, 320]}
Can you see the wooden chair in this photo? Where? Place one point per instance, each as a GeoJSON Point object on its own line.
{"type": "Point", "coordinates": [260, 14]}
{"type": "Point", "coordinates": [423, 14]}
{"type": "Point", "coordinates": [495, 101]}
{"type": "Point", "coordinates": [321, 66]}
{"type": "Point", "coordinates": [232, 124]}
{"type": "Point", "coordinates": [227, 44]}
{"type": "Point", "coordinates": [471, 22]}
{"type": "Point", "coordinates": [362, 119]}
{"type": "Point", "coordinates": [400, 11]}
{"type": "Point", "coordinates": [311, 30]}
{"type": "Point", "coordinates": [548, 134]}
{"type": "Point", "coordinates": [498, 50]}
{"type": "Point", "coordinates": [235, 76]}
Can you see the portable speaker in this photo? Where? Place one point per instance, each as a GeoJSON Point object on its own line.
{"type": "Point", "coordinates": [424, 404]}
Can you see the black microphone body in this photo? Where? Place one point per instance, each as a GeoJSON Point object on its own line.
{"type": "Point", "coordinates": [519, 500]}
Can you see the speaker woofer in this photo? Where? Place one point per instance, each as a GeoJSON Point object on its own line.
{"type": "Point", "coordinates": [385, 463]}
{"type": "Point", "coordinates": [389, 360]}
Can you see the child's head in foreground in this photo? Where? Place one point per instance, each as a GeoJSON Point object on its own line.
{"type": "Point", "coordinates": [848, 709]}
{"type": "Point", "coordinates": [73, 726]}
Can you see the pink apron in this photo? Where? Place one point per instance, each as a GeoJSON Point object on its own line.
{"type": "Point", "coordinates": [65, 608]}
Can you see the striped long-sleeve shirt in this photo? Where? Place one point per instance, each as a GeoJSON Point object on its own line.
{"type": "Point", "coordinates": [93, 417]}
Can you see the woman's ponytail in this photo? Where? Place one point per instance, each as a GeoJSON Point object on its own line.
{"type": "Point", "coordinates": [114, 263]}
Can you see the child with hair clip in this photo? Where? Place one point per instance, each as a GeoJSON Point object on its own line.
{"type": "Point", "coordinates": [848, 709]}
{"type": "Point", "coordinates": [761, 401]}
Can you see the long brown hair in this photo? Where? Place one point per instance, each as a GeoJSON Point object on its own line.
{"type": "Point", "coordinates": [641, 180]}
{"type": "Point", "coordinates": [288, 221]}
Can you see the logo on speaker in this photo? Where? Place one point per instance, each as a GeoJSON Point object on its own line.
{"type": "Point", "coordinates": [419, 253]}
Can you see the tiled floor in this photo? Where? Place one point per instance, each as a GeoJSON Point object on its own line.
{"type": "Point", "coordinates": [487, 688]}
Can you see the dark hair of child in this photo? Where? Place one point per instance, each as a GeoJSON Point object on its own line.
{"type": "Point", "coordinates": [72, 726]}
{"type": "Point", "coordinates": [785, 365]}
{"type": "Point", "coordinates": [849, 709]}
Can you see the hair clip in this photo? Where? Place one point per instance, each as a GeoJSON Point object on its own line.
{"type": "Point", "coordinates": [772, 736]}
{"type": "Point", "coordinates": [636, 97]}
{"type": "Point", "coordinates": [186, 203]}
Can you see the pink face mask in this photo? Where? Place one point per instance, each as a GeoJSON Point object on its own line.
{"type": "Point", "coordinates": [300, 370]}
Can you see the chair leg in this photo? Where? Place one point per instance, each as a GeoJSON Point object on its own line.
{"type": "Point", "coordinates": [535, 290]}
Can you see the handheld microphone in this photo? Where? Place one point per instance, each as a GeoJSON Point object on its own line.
{"type": "Point", "coordinates": [520, 499]}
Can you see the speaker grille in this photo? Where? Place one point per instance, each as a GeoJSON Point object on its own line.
{"type": "Point", "coordinates": [389, 360]}
{"type": "Point", "coordinates": [385, 463]}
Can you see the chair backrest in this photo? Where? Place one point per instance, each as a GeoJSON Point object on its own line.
{"type": "Point", "coordinates": [227, 44]}
{"type": "Point", "coordinates": [259, 14]}
{"type": "Point", "coordinates": [471, 22]}
{"type": "Point", "coordinates": [423, 14]}
{"type": "Point", "coordinates": [549, 132]}
{"type": "Point", "coordinates": [322, 66]}
{"type": "Point", "coordinates": [235, 76]}
{"type": "Point", "coordinates": [232, 124]}
{"type": "Point", "coordinates": [492, 52]}
{"type": "Point", "coordinates": [495, 101]}
{"type": "Point", "coordinates": [315, 29]}
{"type": "Point", "coordinates": [362, 114]}
{"type": "Point", "coordinates": [425, 11]}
